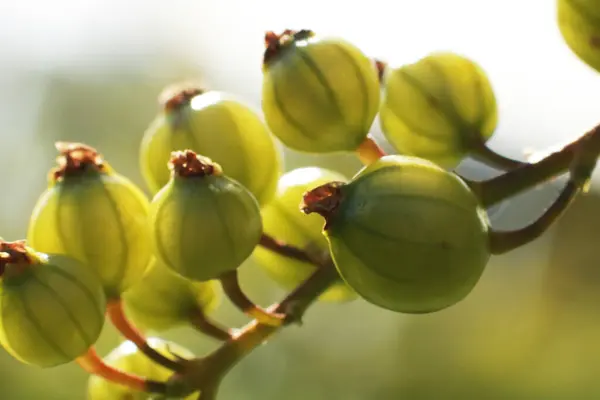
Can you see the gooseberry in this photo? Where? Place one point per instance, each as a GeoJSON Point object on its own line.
{"type": "Point", "coordinates": [441, 108]}
{"type": "Point", "coordinates": [405, 234]}
{"type": "Point", "coordinates": [203, 222]}
{"type": "Point", "coordinates": [52, 306]}
{"type": "Point", "coordinates": [163, 299]}
{"type": "Point", "coordinates": [93, 214]}
{"type": "Point", "coordinates": [218, 126]}
{"type": "Point", "coordinates": [579, 25]}
{"type": "Point", "coordinates": [127, 358]}
{"type": "Point", "coordinates": [319, 94]}
{"type": "Point", "coordinates": [283, 220]}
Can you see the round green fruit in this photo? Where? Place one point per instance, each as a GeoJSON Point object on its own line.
{"type": "Point", "coordinates": [204, 223]}
{"type": "Point", "coordinates": [163, 299]}
{"type": "Point", "coordinates": [283, 220]}
{"type": "Point", "coordinates": [441, 108]}
{"type": "Point", "coordinates": [52, 306]}
{"type": "Point", "coordinates": [405, 234]}
{"type": "Point", "coordinates": [320, 95]}
{"type": "Point", "coordinates": [95, 215]}
{"type": "Point", "coordinates": [219, 127]}
{"type": "Point", "coordinates": [579, 24]}
{"type": "Point", "coordinates": [129, 359]}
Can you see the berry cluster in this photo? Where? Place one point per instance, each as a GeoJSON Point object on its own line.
{"type": "Point", "coordinates": [405, 233]}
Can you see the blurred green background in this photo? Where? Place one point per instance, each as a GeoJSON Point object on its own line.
{"type": "Point", "coordinates": [91, 71]}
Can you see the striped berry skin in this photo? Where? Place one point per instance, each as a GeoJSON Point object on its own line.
{"type": "Point", "coordinates": [163, 300]}
{"type": "Point", "coordinates": [220, 127]}
{"type": "Point", "coordinates": [283, 220]}
{"type": "Point", "coordinates": [93, 214]}
{"type": "Point", "coordinates": [405, 234]}
{"type": "Point", "coordinates": [202, 222]}
{"type": "Point", "coordinates": [579, 25]}
{"type": "Point", "coordinates": [319, 95]}
{"type": "Point", "coordinates": [52, 309]}
{"type": "Point", "coordinates": [440, 108]}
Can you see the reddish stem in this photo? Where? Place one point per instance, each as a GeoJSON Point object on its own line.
{"type": "Point", "coordinates": [116, 314]}
{"type": "Point", "coordinates": [92, 363]}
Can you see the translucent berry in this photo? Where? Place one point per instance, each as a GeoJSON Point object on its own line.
{"type": "Point", "coordinates": [52, 306]}
{"type": "Point", "coordinates": [319, 94]}
{"type": "Point", "coordinates": [127, 358]}
{"type": "Point", "coordinates": [93, 214]}
{"type": "Point", "coordinates": [163, 299]}
{"type": "Point", "coordinates": [203, 222]}
{"type": "Point", "coordinates": [405, 234]}
{"type": "Point", "coordinates": [217, 126]}
{"type": "Point", "coordinates": [282, 219]}
{"type": "Point", "coordinates": [579, 24]}
{"type": "Point", "coordinates": [440, 108]}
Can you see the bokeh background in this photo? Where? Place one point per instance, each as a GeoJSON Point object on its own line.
{"type": "Point", "coordinates": [91, 71]}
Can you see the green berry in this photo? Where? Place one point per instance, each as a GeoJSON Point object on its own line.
{"type": "Point", "coordinates": [439, 108]}
{"type": "Point", "coordinates": [52, 306]}
{"type": "Point", "coordinates": [579, 24]}
{"type": "Point", "coordinates": [95, 215]}
{"type": "Point", "coordinates": [283, 220]}
{"type": "Point", "coordinates": [163, 299]}
{"type": "Point", "coordinates": [217, 126]}
{"type": "Point", "coordinates": [405, 234]}
{"type": "Point", "coordinates": [203, 223]}
{"type": "Point", "coordinates": [127, 358]}
{"type": "Point", "coordinates": [319, 94]}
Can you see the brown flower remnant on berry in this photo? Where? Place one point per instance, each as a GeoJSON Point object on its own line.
{"type": "Point", "coordinates": [323, 200]}
{"type": "Point", "coordinates": [381, 67]}
{"type": "Point", "coordinates": [595, 42]}
{"type": "Point", "coordinates": [75, 158]}
{"type": "Point", "coordinates": [13, 253]}
{"type": "Point", "coordinates": [274, 43]}
{"type": "Point", "coordinates": [189, 164]}
{"type": "Point", "coordinates": [177, 96]}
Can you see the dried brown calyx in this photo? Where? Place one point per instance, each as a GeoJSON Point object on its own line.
{"type": "Point", "coordinates": [75, 158]}
{"type": "Point", "coordinates": [14, 253]}
{"type": "Point", "coordinates": [175, 97]}
{"type": "Point", "coordinates": [381, 67]}
{"type": "Point", "coordinates": [275, 43]}
{"type": "Point", "coordinates": [323, 200]}
{"type": "Point", "coordinates": [187, 163]}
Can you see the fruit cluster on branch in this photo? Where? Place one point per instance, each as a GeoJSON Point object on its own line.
{"type": "Point", "coordinates": [405, 233]}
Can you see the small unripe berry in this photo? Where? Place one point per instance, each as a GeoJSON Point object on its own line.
{"type": "Point", "coordinates": [319, 94]}
{"type": "Point", "coordinates": [282, 219]}
{"type": "Point", "coordinates": [579, 24]}
{"type": "Point", "coordinates": [93, 214]}
{"type": "Point", "coordinates": [163, 299]}
{"type": "Point", "coordinates": [405, 234]}
{"type": "Point", "coordinates": [440, 108]}
{"type": "Point", "coordinates": [127, 358]}
{"type": "Point", "coordinates": [203, 223]}
{"type": "Point", "coordinates": [52, 306]}
{"type": "Point", "coordinates": [218, 126]}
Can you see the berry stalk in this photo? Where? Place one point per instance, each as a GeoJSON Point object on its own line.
{"type": "Point", "coordinates": [92, 363]}
{"type": "Point", "coordinates": [231, 286]}
{"type": "Point", "coordinates": [116, 314]}
{"type": "Point", "coordinates": [369, 151]}
{"type": "Point", "coordinates": [500, 188]}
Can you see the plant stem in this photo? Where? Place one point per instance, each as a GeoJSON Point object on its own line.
{"type": "Point", "coordinates": [209, 328]}
{"type": "Point", "coordinates": [233, 290]}
{"type": "Point", "coordinates": [114, 310]}
{"type": "Point", "coordinates": [368, 152]}
{"type": "Point", "coordinates": [93, 364]}
{"type": "Point", "coordinates": [215, 366]}
{"type": "Point", "coordinates": [283, 249]}
{"type": "Point", "coordinates": [500, 188]}
{"type": "Point", "coordinates": [481, 152]}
